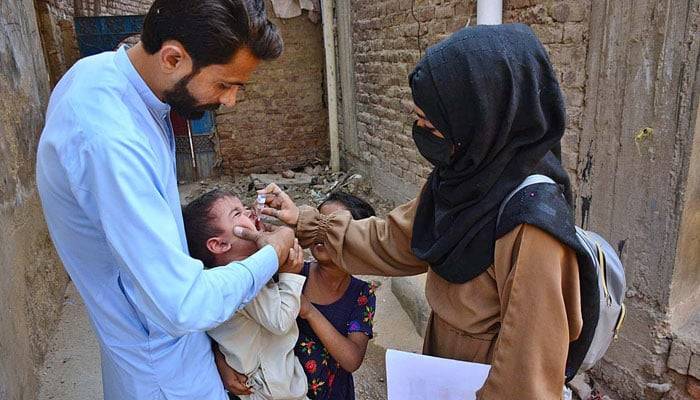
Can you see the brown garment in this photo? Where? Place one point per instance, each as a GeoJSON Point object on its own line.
{"type": "Point", "coordinates": [519, 315]}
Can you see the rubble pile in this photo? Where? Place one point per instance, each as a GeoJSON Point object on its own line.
{"type": "Point", "coordinates": [309, 185]}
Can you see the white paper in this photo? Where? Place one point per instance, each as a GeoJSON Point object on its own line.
{"type": "Point", "coordinates": [417, 377]}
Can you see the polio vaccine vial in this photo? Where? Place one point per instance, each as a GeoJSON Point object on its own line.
{"type": "Point", "coordinates": [259, 205]}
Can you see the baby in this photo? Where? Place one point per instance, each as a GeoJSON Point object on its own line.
{"type": "Point", "coordinates": [258, 340]}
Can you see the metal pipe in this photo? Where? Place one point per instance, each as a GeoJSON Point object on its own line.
{"type": "Point", "coordinates": [329, 45]}
{"type": "Point", "coordinates": [489, 12]}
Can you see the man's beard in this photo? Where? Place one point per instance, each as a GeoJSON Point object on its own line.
{"type": "Point", "coordinates": [182, 101]}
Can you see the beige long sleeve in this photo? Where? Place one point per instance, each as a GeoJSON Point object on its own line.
{"type": "Point", "coordinates": [538, 286]}
{"type": "Point", "coordinates": [371, 246]}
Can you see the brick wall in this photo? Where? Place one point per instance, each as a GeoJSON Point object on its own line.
{"type": "Point", "coordinates": [280, 121]}
{"type": "Point", "coordinates": [389, 37]}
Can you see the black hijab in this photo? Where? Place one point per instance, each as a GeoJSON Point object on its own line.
{"type": "Point", "coordinates": [493, 93]}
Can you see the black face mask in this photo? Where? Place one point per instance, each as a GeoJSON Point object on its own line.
{"type": "Point", "coordinates": [436, 150]}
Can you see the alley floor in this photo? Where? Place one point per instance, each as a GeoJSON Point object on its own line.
{"type": "Point", "coordinates": [72, 367]}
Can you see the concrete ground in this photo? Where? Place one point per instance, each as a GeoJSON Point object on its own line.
{"type": "Point", "coordinates": [72, 367]}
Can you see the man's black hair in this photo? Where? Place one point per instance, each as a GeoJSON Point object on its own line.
{"type": "Point", "coordinates": [359, 209]}
{"type": "Point", "coordinates": [212, 30]}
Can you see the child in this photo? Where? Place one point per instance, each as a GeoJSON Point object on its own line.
{"type": "Point", "coordinates": [259, 339]}
{"type": "Point", "coordinates": [335, 321]}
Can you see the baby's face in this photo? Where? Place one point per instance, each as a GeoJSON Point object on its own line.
{"type": "Point", "coordinates": [318, 250]}
{"type": "Point", "coordinates": [229, 213]}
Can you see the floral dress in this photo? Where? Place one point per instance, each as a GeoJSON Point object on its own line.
{"type": "Point", "coordinates": [353, 312]}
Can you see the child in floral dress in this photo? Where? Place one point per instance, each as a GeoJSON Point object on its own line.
{"type": "Point", "coordinates": [335, 321]}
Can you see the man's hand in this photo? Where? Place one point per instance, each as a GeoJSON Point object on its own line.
{"type": "Point", "coordinates": [232, 380]}
{"type": "Point", "coordinates": [235, 382]}
{"type": "Point", "coordinates": [280, 238]}
{"type": "Point", "coordinates": [295, 261]}
{"type": "Point", "coordinates": [280, 205]}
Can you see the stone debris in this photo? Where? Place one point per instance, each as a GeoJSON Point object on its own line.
{"type": "Point", "coordinates": [659, 387]}
{"type": "Point", "coordinates": [309, 185]}
{"type": "Point", "coordinates": [584, 387]}
{"type": "Point", "coordinates": [580, 386]}
{"type": "Point", "coordinates": [281, 179]}
{"type": "Point", "coordinates": [693, 388]}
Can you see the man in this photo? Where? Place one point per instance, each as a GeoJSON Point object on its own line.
{"type": "Point", "coordinates": [106, 177]}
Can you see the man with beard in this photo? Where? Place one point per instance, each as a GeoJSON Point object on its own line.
{"type": "Point", "coordinates": [106, 177]}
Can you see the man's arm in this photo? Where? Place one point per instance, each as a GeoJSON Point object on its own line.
{"type": "Point", "coordinates": [116, 182]}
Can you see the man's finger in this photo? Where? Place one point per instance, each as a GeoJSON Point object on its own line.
{"type": "Point", "coordinates": [238, 387]}
{"type": "Point", "coordinates": [245, 233]}
{"type": "Point", "coordinates": [244, 383]}
{"type": "Point", "coordinates": [240, 390]}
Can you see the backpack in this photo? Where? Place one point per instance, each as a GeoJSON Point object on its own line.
{"type": "Point", "coordinates": [599, 261]}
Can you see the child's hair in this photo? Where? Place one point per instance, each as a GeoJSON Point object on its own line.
{"type": "Point", "coordinates": [199, 227]}
{"type": "Point", "coordinates": [359, 209]}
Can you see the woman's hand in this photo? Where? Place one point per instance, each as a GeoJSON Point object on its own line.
{"type": "Point", "coordinates": [280, 205]}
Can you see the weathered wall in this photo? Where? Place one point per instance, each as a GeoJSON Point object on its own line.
{"type": "Point", "coordinates": [280, 121]}
{"type": "Point", "coordinates": [33, 281]}
{"type": "Point", "coordinates": [684, 354]}
{"type": "Point", "coordinates": [31, 291]}
{"type": "Point", "coordinates": [640, 106]}
{"type": "Point", "coordinates": [623, 67]}
{"type": "Point", "coordinates": [388, 38]}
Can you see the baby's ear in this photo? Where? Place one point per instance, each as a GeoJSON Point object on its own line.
{"type": "Point", "coordinates": [217, 246]}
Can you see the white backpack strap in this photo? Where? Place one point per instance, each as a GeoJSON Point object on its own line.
{"type": "Point", "coordinates": [530, 180]}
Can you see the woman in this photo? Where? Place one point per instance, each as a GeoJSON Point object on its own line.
{"type": "Point", "coordinates": [489, 113]}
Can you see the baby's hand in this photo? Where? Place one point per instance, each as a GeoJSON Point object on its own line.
{"type": "Point", "coordinates": [295, 261]}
